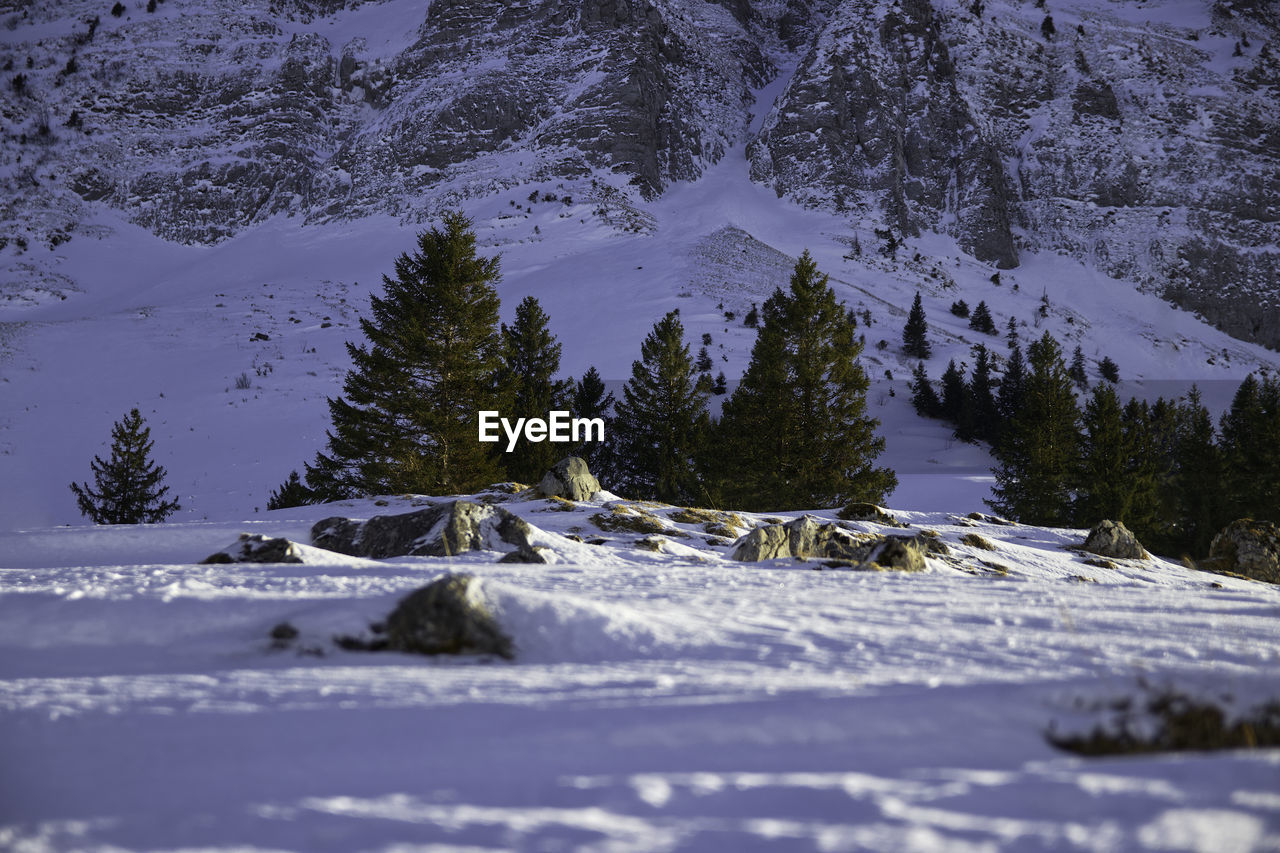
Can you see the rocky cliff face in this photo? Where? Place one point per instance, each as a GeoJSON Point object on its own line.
{"type": "Point", "coordinates": [1143, 138]}
{"type": "Point", "coordinates": [1146, 142]}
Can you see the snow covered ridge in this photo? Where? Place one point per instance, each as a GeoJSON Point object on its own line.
{"type": "Point", "coordinates": [661, 696]}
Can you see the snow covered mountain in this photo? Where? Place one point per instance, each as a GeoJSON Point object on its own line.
{"type": "Point", "coordinates": [1138, 137]}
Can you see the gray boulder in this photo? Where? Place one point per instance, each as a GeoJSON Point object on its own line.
{"type": "Point", "coordinates": [810, 538]}
{"type": "Point", "coordinates": [569, 479]}
{"type": "Point", "coordinates": [446, 617]}
{"type": "Point", "coordinates": [1247, 547]}
{"type": "Point", "coordinates": [439, 531]}
{"type": "Point", "coordinates": [1113, 539]}
{"type": "Point", "coordinates": [861, 511]}
{"type": "Point", "coordinates": [256, 548]}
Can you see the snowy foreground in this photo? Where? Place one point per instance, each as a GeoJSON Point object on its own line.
{"type": "Point", "coordinates": [658, 701]}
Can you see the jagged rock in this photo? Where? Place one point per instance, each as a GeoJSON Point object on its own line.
{"type": "Point", "coordinates": [447, 616]}
{"type": "Point", "coordinates": [526, 555]}
{"type": "Point", "coordinates": [1247, 547]}
{"type": "Point", "coordinates": [569, 479]}
{"type": "Point", "coordinates": [256, 548]}
{"type": "Point", "coordinates": [809, 538]}
{"type": "Point", "coordinates": [868, 512]}
{"type": "Point", "coordinates": [439, 531]}
{"type": "Point", "coordinates": [1113, 539]}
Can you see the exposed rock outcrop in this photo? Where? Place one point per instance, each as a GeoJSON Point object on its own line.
{"type": "Point", "coordinates": [1113, 539]}
{"type": "Point", "coordinates": [256, 548]}
{"type": "Point", "coordinates": [447, 616]}
{"type": "Point", "coordinates": [811, 539]}
{"type": "Point", "coordinates": [570, 479]}
{"type": "Point", "coordinates": [1247, 547]}
{"type": "Point", "coordinates": [439, 531]}
{"type": "Point", "coordinates": [863, 511]}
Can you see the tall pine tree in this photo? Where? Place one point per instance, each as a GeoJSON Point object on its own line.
{"type": "Point", "coordinates": [915, 334]}
{"type": "Point", "coordinates": [129, 487]}
{"type": "Point", "coordinates": [1251, 449]}
{"type": "Point", "coordinates": [589, 400]}
{"type": "Point", "coordinates": [531, 359]}
{"type": "Point", "coordinates": [661, 422]}
{"type": "Point", "coordinates": [796, 431]}
{"type": "Point", "coordinates": [1037, 452]}
{"type": "Point", "coordinates": [1102, 489]}
{"type": "Point", "coordinates": [1200, 503]}
{"type": "Point", "coordinates": [986, 413]}
{"type": "Point", "coordinates": [408, 419]}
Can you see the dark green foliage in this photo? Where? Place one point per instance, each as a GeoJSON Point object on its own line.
{"type": "Point", "coordinates": [752, 320]}
{"type": "Point", "coordinates": [923, 396]}
{"type": "Point", "coordinates": [915, 335]}
{"type": "Point", "coordinates": [1109, 370]}
{"type": "Point", "coordinates": [291, 493]}
{"type": "Point", "coordinates": [531, 359]}
{"type": "Point", "coordinates": [1251, 449]}
{"type": "Point", "coordinates": [1011, 332]}
{"type": "Point", "coordinates": [1102, 490]}
{"type": "Point", "coordinates": [1047, 29]}
{"type": "Point", "coordinates": [1078, 371]}
{"type": "Point", "coordinates": [1013, 384]}
{"type": "Point", "coordinates": [957, 407]}
{"type": "Point", "coordinates": [661, 422]}
{"type": "Point", "coordinates": [407, 420]}
{"type": "Point", "coordinates": [1038, 449]}
{"type": "Point", "coordinates": [704, 363]}
{"type": "Point", "coordinates": [589, 400]}
{"type": "Point", "coordinates": [127, 488]}
{"type": "Point", "coordinates": [721, 385]}
{"type": "Point", "coordinates": [795, 432]}
{"type": "Point", "coordinates": [117, 10]}
{"type": "Point", "coordinates": [960, 308]}
{"type": "Point", "coordinates": [1199, 504]}
{"type": "Point", "coordinates": [981, 321]}
{"type": "Point", "coordinates": [982, 399]}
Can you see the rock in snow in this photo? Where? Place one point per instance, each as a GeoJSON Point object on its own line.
{"type": "Point", "coordinates": [1247, 547]}
{"type": "Point", "coordinates": [447, 616]}
{"type": "Point", "coordinates": [439, 531]}
{"type": "Point", "coordinates": [1113, 539]}
{"type": "Point", "coordinates": [256, 548]}
{"type": "Point", "coordinates": [809, 538]}
{"type": "Point", "coordinates": [570, 479]}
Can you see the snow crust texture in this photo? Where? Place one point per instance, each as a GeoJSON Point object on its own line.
{"type": "Point", "coordinates": [656, 701]}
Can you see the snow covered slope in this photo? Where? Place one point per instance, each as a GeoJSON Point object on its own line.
{"type": "Point", "coordinates": [656, 702]}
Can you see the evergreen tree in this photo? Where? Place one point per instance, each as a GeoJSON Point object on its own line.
{"type": "Point", "coordinates": [1198, 497]}
{"type": "Point", "coordinates": [704, 363]}
{"type": "Point", "coordinates": [915, 335]}
{"type": "Point", "coordinates": [1077, 371]}
{"type": "Point", "coordinates": [1150, 434]}
{"type": "Point", "coordinates": [960, 308]}
{"type": "Point", "coordinates": [127, 488]}
{"type": "Point", "coordinates": [1011, 333]}
{"type": "Point", "coordinates": [1251, 449]}
{"type": "Point", "coordinates": [407, 422]}
{"type": "Point", "coordinates": [1013, 386]}
{"type": "Point", "coordinates": [956, 402]}
{"type": "Point", "coordinates": [1047, 29]}
{"type": "Point", "coordinates": [531, 359]}
{"type": "Point", "coordinates": [752, 320]}
{"type": "Point", "coordinates": [796, 431]}
{"type": "Point", "coordinates": [1038, 450]}
{"type": "Point", "coordinates": [1109, 369]}
{"type": "Point", "coordinates": [923, 396]}
{"type": "Point", "coordinates": [1102, 490]}
{"type": "Point", "coordinates": [589, 400]}
{"type": "Point", "coordinates": [661, 422]}
{"type": "Point", "coordinates": [981, 320]}
{"type": "Point", "coordinates": [290, 494]}
{"type": "Point", "coordinates": [721, 386]}
{"type": "Point", "coordinates": [986, 412]}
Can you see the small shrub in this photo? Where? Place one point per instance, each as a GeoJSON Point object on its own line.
{"type": "Point", "coordinates": [973, 540]}
{"type": "Point", "coordinates": [290, 494]}
{"type": "Point", "coordinates": [117, 10]}
{"type": "Point", "coordinates": [243, 382]}
{"type": "Point", "coordinates": [960, 308]}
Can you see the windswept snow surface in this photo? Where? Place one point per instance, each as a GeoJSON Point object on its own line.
{"type": "Point", "coordinates": [656, 702]}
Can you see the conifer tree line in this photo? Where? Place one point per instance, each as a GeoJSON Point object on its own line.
{"type": "Point", "coordinates": [795, 433]}
{"type": "Point", "coordinates": [1162, 468]}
